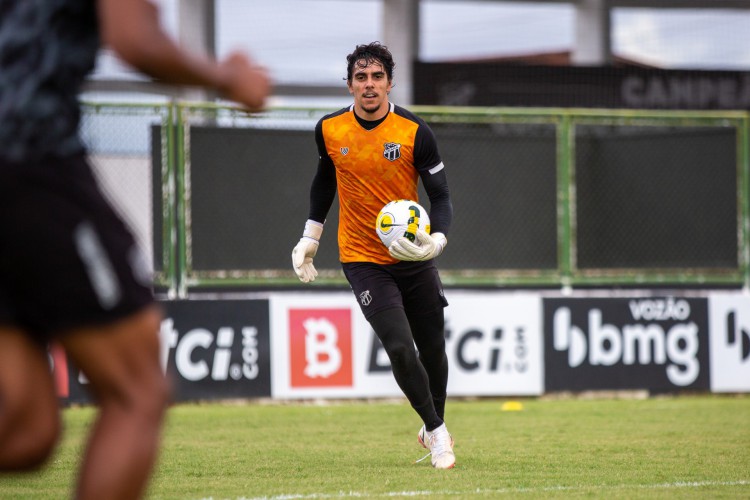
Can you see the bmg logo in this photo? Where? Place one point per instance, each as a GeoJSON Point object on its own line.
{"type": "Point", "coordinates": [643, 344]}
{"type": "Point", "coordinates": [656, 343]}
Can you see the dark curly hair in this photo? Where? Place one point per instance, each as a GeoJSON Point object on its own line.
{"type": "Point", "coordinates": [372, 52]}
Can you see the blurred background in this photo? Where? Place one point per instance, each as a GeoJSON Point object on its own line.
{"type": "Point", "coordinates": [588, 142]}
{"type": "Point", "coordinates": [598, 155]}
{"type": "Point", "coordinates": [304, 42]}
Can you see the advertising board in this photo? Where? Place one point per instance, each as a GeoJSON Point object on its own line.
{"type": "Point", "coordinates": [323, 347]}
{"type": "Point", "coordinates": [730, 342]}
{"type": "Point", "coordinates": [654, 343]}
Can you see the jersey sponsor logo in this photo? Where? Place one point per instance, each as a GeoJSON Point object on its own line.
{"type": "Point", "coordinates": [392, 151]}
{"type": "Point", "coordinates": [320, 345]}
{"type": "Point", "coordinates": [344, 151]}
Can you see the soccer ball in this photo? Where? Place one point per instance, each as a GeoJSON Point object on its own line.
{"type": "Point", "coordinates": [401, 218]}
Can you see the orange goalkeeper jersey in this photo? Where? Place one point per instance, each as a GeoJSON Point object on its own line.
{"type": "Point", "coordinates": [373, 167]}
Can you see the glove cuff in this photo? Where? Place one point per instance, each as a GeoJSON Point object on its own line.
{"type": "Point", "coordinates": [313, 230]}
{"type": "Point", "coordinates": [440, 242]}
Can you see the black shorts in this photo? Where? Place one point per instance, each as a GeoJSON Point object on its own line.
{"type": "Point", "coordinates": [67, 260]}
{"type": "Point", "coordinates": [412, 286]}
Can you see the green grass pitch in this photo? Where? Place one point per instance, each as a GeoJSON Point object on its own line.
{"type": "Point", "coordinates": [671, 447]}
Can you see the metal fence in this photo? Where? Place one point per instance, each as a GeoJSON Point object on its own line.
{"type": "Point", "coordinates": [543, 197]}
{"type": "Point", "coordinates": [132, 156]}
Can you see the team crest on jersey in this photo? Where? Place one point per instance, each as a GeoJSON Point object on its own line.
{"type": "Point", "coordinates": [344, 151]}
{"type": "Point", "coordinates": [392, 151]}
{"type": "Point", "coordinates": [365, 298]}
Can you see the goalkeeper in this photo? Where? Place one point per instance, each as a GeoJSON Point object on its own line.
{"type": "Point", "coordinates": [374, 152]}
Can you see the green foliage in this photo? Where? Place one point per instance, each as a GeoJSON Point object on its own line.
{"type": "Point", "coordinates": [686, 447]}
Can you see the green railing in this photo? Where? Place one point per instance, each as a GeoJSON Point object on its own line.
{"type": "Point", "coordinates": [132, 151]}
{"type": "Point", "coordinates": [578, 248]}
{"type": "Point", "coordinates": [566, 122]}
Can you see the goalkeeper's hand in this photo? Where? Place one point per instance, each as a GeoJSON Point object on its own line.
{"type": "Point", "coordinates": [429, 246]}
{"type": "Point", "coordinates": [305, 250]}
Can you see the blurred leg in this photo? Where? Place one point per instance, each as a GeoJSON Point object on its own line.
{"type": "Point", "coordinates": [121, 362]}
{"type": "Point", "coordinates": [29, 414]}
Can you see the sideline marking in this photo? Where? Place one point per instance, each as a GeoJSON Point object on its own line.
{"type": "Point", "coordinates": [480, 491]}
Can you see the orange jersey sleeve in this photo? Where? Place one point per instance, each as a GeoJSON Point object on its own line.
{"type": "Point", "coordinates": [373, 167]}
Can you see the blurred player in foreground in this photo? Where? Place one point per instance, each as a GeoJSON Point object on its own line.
{"type": "Point", "coordinates": [69, 269]}
{"type": "Point", "coordinates": [374, 152]}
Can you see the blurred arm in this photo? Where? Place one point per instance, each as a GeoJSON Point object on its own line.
{"type": "Point", "coordinates": [132, 29]}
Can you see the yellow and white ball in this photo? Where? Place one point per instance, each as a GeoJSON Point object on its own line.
{"type": "Point", "coordinates": [401, 218]}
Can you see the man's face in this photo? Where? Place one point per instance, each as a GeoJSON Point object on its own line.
{"type": "Point", "coordinates": [370, 87]}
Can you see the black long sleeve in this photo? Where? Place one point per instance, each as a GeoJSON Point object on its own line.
{"type": "Point", "coordinates": [322, 190]}
{"type": "Point", "coordinates": [441, 206]}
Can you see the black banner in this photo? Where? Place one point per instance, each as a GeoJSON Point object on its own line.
{"type": "Point", "coordinates": [497, 84]}
{"type": "Point", "coordinates": [659, 344]}
{"type": "Point", "coordinates": [217, 349]}
{"type": "Point", "coordinates": [211, 349]}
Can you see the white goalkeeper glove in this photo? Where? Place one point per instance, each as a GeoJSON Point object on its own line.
{"type": "Point", "coordinates": [427, 246]}
{"type": "Point", "coordinates": [305, 250]}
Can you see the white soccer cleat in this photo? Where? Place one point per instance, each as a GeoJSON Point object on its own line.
{"type": "Point", "coordinates": [440, 444]}
{"type": "Point", "coordinates": [423, 436]}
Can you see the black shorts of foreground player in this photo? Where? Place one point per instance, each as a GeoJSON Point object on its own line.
{"type": "Point", "coordinates": [398, 288]}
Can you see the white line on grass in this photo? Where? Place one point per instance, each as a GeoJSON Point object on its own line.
{"type": "Point", "coordinates": [484, 492]}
